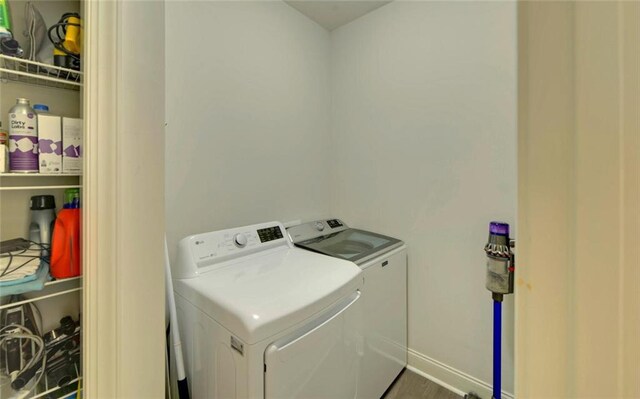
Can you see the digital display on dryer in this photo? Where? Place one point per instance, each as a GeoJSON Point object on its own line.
{"type": "Point", "coordinates": [333, 223]}
{"type": "Point", "coordinates": [270, 234]}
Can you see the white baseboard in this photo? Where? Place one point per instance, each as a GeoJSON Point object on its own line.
{"type": "Point", "coordinates": [449, 377]}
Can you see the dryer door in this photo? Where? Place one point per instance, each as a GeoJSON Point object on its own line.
{"type": "Point", "coordinates": [322, 360]}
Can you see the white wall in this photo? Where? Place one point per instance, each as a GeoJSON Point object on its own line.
{"type": "Point", "coordinates": [401, 122]}
{"type": "Point", "coordinates": [248, 116]}
{"type": "Point", "coordinates": [424, 139]}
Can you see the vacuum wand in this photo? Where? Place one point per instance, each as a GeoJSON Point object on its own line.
{"type": "Point", "coordinates": [183, 385]}
{"type": "Point", "coordinates": [500, 273]}
{"type": "Point", "coordinates": [497, 349]}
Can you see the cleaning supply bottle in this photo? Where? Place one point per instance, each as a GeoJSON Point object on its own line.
{"type": "Point", "coordinates": [8, 45]}
{"type": "Point", "coordinates": [41, 109]}
{"type": "Point", "coordinates": [5, 21]}
{"type": "Point", "coordinates": [43, 216]}
{"type": "Point", "coordinates": [66, 246]}
{"type": "Point", "coordinates": [71, 198]}
{"type": "Point", "coordinates": [23, 138]}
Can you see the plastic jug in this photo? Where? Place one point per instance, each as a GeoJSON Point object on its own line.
{"type": "Point", "coordinates": [43, 214]}
{"type": "Point", "coordinates": [66, 254]}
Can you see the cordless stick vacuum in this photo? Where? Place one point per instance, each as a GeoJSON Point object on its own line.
{"type": "Point", "coordinates": [500, 271]}
{"type": "Point", "coordinates": [183, 385]}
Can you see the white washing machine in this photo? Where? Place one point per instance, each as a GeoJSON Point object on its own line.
{"type": "Point", "coordinates": [384, 294]}
{"type": "Point", "coordinates": [261, 318]}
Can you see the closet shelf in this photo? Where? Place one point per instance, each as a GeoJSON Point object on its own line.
{"type": "Point", "coordinates": [38, 175]}
{"type": "Point", "coordinates": [3, 188]}
{"type": "Point", "coordinates": [36, 73]}
{"type": "Point", "coordinates": [37, 181]}
{"type": "Point", "coordinates": [62, 280]}
{"type": "Point", "coordinates": [50, 392]}
{"type": "Point", "coordinates": [57, 289]}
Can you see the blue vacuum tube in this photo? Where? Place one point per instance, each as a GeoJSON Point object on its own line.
{"type": "Point", "coordinates": [500, 271]}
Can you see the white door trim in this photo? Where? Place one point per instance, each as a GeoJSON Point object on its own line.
{"type": "Point", "coordinates": [577, 301]}
{"type": "Point", "coordinates": [123, 308]}
{"type": "Point", "coordinates": [100, 336]}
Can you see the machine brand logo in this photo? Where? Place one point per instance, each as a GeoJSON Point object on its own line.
{"type": "Point", "coordinates": [199, 242]}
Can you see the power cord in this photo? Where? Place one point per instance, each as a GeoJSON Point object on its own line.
{"type": "Point", "coordinates": [60, 29]}
{"type": "Point", "coordinates": [37, 363]}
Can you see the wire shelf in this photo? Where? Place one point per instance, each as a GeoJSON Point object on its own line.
{"type": "Point", "coordinates": [14, 174]}
{"type": "Point", "coordinates": [36, 73]}
{"type": "Point", "coordinates": [56, 290]}
{"type": "Point", "coordinates": [59, 187]}
{"type": "Point", "coordinates": [50, 392]}
{"type": "Point", "coordinates": [37, 181]}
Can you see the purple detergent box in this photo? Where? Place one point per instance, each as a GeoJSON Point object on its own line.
{"type": "Point", "coordinates": [49, 144]}
{"type": "Point", "coordinates": [72, 145]}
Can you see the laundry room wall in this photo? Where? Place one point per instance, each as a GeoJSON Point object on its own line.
{"type": "Point", "coordinates": [424, 143]}
{"type": "Point", "coordinates": [248, 116]}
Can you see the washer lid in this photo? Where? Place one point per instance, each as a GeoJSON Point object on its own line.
{"type": "Point", "coordinates": [260, 295]}
{"type": "Point", "coordinates": [351, 244]}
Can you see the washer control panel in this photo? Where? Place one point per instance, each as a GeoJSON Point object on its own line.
{"type": "Point", "coordinates": [270, 234]}
{"type": "Point", "coordinates": [240, 240]}
{"type": "Point", "coordinates": [205, 252]}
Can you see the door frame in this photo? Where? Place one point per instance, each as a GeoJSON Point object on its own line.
{"type": "Point", "coordinates": [123, 296]}
{"type": "Point", "coordinates": [577, 301]}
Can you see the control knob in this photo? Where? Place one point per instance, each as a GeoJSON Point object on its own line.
{"type": "Point", "coordinates": [240, 240]}
{"type": "Point", "coordinates": [319, 226]}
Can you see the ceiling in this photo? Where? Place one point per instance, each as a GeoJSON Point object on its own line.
{"type": "Point", "coordinates": [332, 14]}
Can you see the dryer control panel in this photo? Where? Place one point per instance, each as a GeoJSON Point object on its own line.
{"type": "Point", "coordinates": [204, 252]}
{"type": "Point", "coordinates": [318, 228]}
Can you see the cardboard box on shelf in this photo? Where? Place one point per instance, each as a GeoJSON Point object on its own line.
{"type": "Point", "coordinates": [49, 144]}
{"type": "Point", "coordinates": [72, 145]}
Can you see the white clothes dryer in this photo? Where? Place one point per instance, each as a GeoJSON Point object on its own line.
{"type": "Point", "coordinates": [261, 318]}
{"type": "Point", "coordinates": [383, 260]}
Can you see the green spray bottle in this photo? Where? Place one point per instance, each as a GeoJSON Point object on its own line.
{"type": "Point", "coordinates": [8, 45]}
{"type": "Point", "coordinates": [5, 21]}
